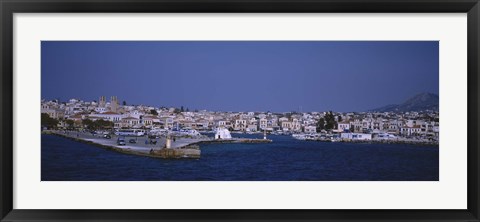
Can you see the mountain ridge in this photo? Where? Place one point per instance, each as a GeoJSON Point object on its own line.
{"type": "Point", "coordinates": [420, 102]}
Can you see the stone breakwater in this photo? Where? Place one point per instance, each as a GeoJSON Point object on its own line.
{"type": "Point", "coordinates": [181, 147]}
{"type": "Point", "coordinates": [181, 150]}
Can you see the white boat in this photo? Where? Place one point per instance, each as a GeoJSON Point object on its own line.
{"type": "Point", "coordinates": [311, 137]}
{"type": "Point", "coordinates": [187, 132]}
{"type": "Point", "coordinates": [299, 136]}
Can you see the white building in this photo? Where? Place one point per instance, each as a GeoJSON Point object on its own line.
{"type": "Point", "coordinates": [240, 124]}
{"type": "Point", "coordinates": [222, 133]}
{"type": "Point", "coordinates": [252, 128]}
{"type": "Point", "coordinates": [296, 125]}
{"type": "Point", "coordinates": [409, 131]}
{"type": "Point", "coordinates": [263, 123]}
{"type": "Point", "coordinates": [286, 126]}
{"type": "Point", "coordinates": [341, 127]}
{"type": "Point", "coordinates": [108, 116]}
{"type": "Point", "coordinates": [356, 136]}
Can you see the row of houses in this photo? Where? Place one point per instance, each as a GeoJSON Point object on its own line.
{"type": "Point", "coordinates": [141, 116]}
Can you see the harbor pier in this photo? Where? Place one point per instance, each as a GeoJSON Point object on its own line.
{"type": "Point", "coordinates": [162, 147]}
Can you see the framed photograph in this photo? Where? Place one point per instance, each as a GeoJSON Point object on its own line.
{"type": "Point", "coordinates": [239, 110]}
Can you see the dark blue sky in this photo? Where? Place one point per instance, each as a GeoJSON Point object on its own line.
{"type": "Point", "coordinates": [275, 76]}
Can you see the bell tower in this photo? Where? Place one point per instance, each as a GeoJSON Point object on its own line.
{"type": "Point", "coordinates": [113, 104]}
{"type": "Point", "coordinates": [102, 101]}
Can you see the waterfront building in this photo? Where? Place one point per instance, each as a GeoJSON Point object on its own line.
{"type": "Point", "coordinates": [131, 122]}
{"type": "Point", "coordinates": [240, 125]}
{"type": "Point", "coordinates": [252, 128]}
{"type": "Point", "coordinates": [356, 125]}
{"type": "Point", "coordinates": [286, 125]}
{"type": "Point", "coordinates": [272, 123]}
{"type": "Point", "coordinates": [377, 124]}
{"type": "Point", "coordinates": [342, 127]}
{"type": "Point", "coordinates": [411, 131]}
{"type": "Point", "coordinates": [263, 123]}
{"type": "Point", "coordinates": [221, 123]}
{"type": "Point", "coordinates": [296, 125]}
{"type": "Point", "coordinates": [149, 120]}
{"type": "Point", "coordinates": [168, 122]}
{"type": "Point", "coordinates": [356, 136]}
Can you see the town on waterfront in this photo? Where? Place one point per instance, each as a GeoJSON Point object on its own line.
{"type": "Point", "coordinates": [104, 117]}
{"type": "Point", "coordinates": [240, 111]}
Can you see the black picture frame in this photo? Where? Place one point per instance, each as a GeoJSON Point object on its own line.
{"type": "Point", "coordinates": [9, 7]}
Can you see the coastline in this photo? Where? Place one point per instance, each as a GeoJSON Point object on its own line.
{"type": "Point", "coordinates": [378, 141]}
{"type": "Point", "coordinates": [409, 142]}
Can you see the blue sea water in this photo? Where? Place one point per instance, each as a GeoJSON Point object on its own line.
{"type": "Point", "coordinates": [286, 159]}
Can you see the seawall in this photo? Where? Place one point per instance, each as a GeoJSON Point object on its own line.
{"type": "Point", "coordinates": [172, 153]}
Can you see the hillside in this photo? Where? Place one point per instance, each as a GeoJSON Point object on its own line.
{"type": "Point", "coordinates": [420, 102]}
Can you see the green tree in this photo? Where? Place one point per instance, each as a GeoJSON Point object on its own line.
{"type": "Point", "coordinates": [330, 122]}
{"type": "Point", "coordinates": [48, 121]}
{"type": "Point", "coordinates": [103, 124]}
{"type": "Point", "coordinates": [97, 125]}
{"type": "Point", "coordinates": [181, 109]}
{"type": "Point", "coordinates": [124, 103]}
{"type": "Point", "coordinates": [70, 123]}
{"type": "Point", "coordinates": [352, 128]}
{"type": "Point", "coordinates": [88, 123]}
{"type": "Point", "coordinates": [153, 112]}
{"type": "Point", "coordinates": [320, 124]}
{"type": "Point", "coordinates": [339, 118]}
